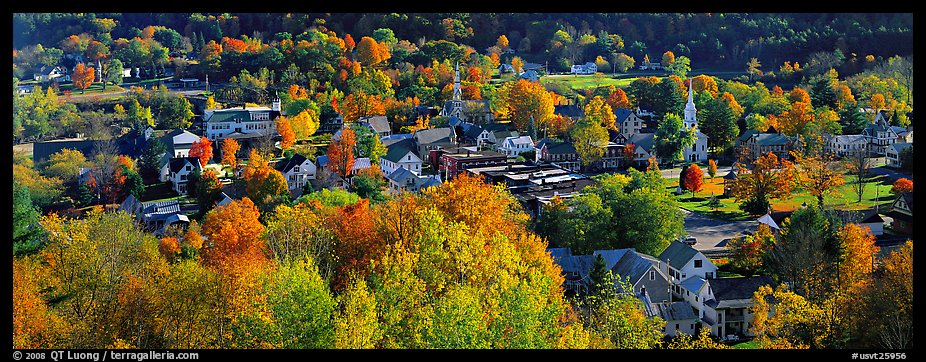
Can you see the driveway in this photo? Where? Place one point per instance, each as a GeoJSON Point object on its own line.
{"type": "Point", "coordinates": [711, 233]}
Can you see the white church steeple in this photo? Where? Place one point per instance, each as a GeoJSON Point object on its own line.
{"type": "Point", "coordinates": [691, 113]}
{"type": "Point", "coordinates": [457, 92]}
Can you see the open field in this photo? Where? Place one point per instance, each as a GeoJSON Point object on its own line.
{"type": "Point", "coordinates": [843, 198]}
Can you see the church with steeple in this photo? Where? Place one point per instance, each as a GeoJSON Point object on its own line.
{"type": "Point", "coordinates": [697, 152]}
{"type": "Point", "coordinates": [471, 111]}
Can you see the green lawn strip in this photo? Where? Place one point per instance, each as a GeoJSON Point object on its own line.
{"type": "Point", "coordinates": [752, 344]}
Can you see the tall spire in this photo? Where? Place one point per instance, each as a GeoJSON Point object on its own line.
{"type": "Point", "coordinates": [691, 113]}
{"type": "Point", "coordinates": [457, 92]}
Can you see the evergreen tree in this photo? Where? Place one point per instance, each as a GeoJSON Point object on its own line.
{"type": "Point", "coordinates": [150, 161]}
{"type": "Point", "coordinates": [822, 92]}
{"type": "Point", "coordinates": [599, 279]}
{"type": "Point", "coordinates": [26, 228]}
{"type": "Point", "coordinates": [670, 99]}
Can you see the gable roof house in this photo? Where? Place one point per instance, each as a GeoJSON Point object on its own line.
{"type": "Point", "coordinates": [643, 272]}
{"type": "Point", "coordinates": [679, 316]}
{"type": "Point", "coordinates": [893, 153]}
{"type": "Point", "coordinates": [379, 124]}
{"type": "Point", "coordinates": [726, 311]}
{"type": "Point", "coordinates": [880, 134]}
{"type": "Point", "coordinates": [587, 68]}
{"type": "Point", "coordinates": [297, 170]}
{"type": "Point", "coordinates": [466, 110]}
{"type": "Point", "coordinates": [179, 170]}
{"type": "Point", "coordinates": [562, 154]}
{"type": "Point", "coordinates": [643, 147]}
{"type": "Point", "coordinates": [514, 146]}
{"type": "Point", "coordinates": [902, 213]}
{"type": "Point", "coordinates": [433, 139]}
{"type": "Point", "coordinates": [570, 110]}
{"type": "Point", "coordinates": [48, 73]}
{"type": "Point", "coordinates": [154, 215]}
{"type": "Point", "coordinates": [761, 143]}
{"type": "Point", "coordinates": [403, 180]}
{"type": "Point", "coordinates": [845, 145]}
{"type": "Point", "coordinates": [401, 154]}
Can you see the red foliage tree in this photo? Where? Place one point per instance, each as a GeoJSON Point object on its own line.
{"type": "Point", "coordinates": [902, 185]}
{"type": "Point", "coordinates": [202, 149]}
{"type": "Point", "coordinates": [341, 153]}
{"type": "Point", "coordinates": [692, 178]}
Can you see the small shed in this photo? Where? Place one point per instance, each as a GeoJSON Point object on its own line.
{"type": "Point", "coordinates": [728, 181]}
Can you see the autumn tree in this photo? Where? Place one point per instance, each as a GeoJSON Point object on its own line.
{"type": "Point", "coordinates": [83, 77]}
{"type": "Point", "coordinates": [264, 183]}
{"type": "Point", "coordinates": [234, 234]}
{"type": "Point", "coordinates": [790, 322]}
{"type": "Point", "coordinates": [304, 124]}
{"type": "Point", "coordinates": [295, 233]}
{"type": "Point", "coordinates": [202, 149]}
{"type": "Point", "coordinates": [598, 111]}
{"type": "Point", "coordinates": [369, 52]}
{"type": "Point", "coordinates": [208, 189]}
{"type": "Point", "coordinates": [889, 302]}
{"type": "Point", "coordinates": [524, 99]}
{"type": "Point", "coordinates": [768, 178]}
{"type": "Point", "coordinates": [517, 64]}
{"type": "Point", "coordinates": [26, 228]}
{"type": "Point", "coordinates": [902, 185]}
{"type": "Point", "coordinates": [35, 323]}
{"type": "Point", "coordinates": [668, 58]}
{"type": "Point", "coordinates": [590, 140]}
{"type": "Point", "coordinates": [749, 252]}
{"type": "Point", "coordinates": [230, 149]}
{"type": "Point", "coordinates": [805, 253]}
{"type": "Point", "coordinates": [860, 166]}
{"type": "Point", "coordinates": [341, 153]}
{"type": "Point", "coordinates": [752, 68]}
{"type": "Point", "coordinates": [618, 99]}
{"type": "Point", "coordinates": [286, 132]}
{"type": "Point", "coordinates": [820, 174]}
{"type": "Point", "coordinates": [711, 168]}
{"type": "Point", "coordinates": [691, 178]}
{"type": "Point", "coordinates": [703, 340]}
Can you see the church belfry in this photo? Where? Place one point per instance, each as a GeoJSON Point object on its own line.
{"type": "Point", "coordinates": [691, 113]}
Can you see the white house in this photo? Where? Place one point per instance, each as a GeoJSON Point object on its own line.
{"type": "Point", "coordinates": [514, 146]}
{"type": "Point", "coordinates": [46, 73]}
{"type": "Point", "coordinates": [179, 170]}
{"type": "Point", "coordinates": [893, 153]}
{"type": "Point", "coordinates": [297, 170]}
{"type": "Point", "coordinates": [881, 134]}
{"type": "Point", "coordinates": [400, 155]}
{"type": "Point", "coordinates": [587, 68]}
{"type": "Point", "coordinates": [241, 123]}
{"type": "Point", "coordinates": [845, 145]}
{"type": "Point", "coordinates": [177, 143]}
{"type": "Point", "coordinates": [493, 134]}
{"type": "Point", "coordinates": [629, 122]}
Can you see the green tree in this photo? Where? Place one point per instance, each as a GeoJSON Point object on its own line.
{"type": "Point", "coordinates": [672, 138]}
{"type": "Point", "coordinates": [805, 253]}
{"type": "Point", "coordinates": [26, 228]}
{"type": "Point", "coordinates": [719, 125]}
{"type": "Point", "coordinates": [680, 67]}
{"type": "Point", "coordinates": [590, 140]}
{"type": "Point", "coordinates": [113, 72]}
{"type": "Point", "coordinates": [600, 280]}
{"type": "Point", "coordinates": [150, 160]}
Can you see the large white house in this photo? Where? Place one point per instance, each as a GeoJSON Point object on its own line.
{"type": "Point", "coordinates": [514, 146]}
{"type": "Point", "coordinates": [893, 153]}
{"type": "Point", "coordinates": [846, 145]}
{"type": "Point", "coordinates": [587, 68]}
{"type": "Point", "coordinates": [240, 123]}
{"type": "Point", "coordinates": [881, 135]}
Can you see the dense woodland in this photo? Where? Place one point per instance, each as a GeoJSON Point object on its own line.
{"type": "Point", "coordinates": [460, 265]}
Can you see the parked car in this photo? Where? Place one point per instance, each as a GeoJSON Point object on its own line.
{"type": "Point", "coordinates": [689, 240]}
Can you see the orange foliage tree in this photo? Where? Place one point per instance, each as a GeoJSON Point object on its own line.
{"type": "Point", "coordinates": [358, 105]}
{"type": "Point", "coordinates": [263, 183]}
{"type": "Point", "coordinates": [369, 52]}
{"type": "Point", "coordinates": [234, 235]}
{"type": "Point", "coordinates": [769, 178]}
{"type": "Point", "coordinates": [618, 99]}
{"type": "Point", "coordinates": [341, 153]}
{"type": "Point", "coordinates": [83, 77]}
{"type": "Point", "coordinates": [286, 131]}
{"type": "Point", "coordinates": [230, 149]}
{"type": "Point", "coordinates": [34, 324]}
{"type": "Point", "coordinates": [202, 149]}
{"type": "Point", "coordinates": [357, 243]}
{"type": "Point", "coordinates": [902, 185]}
{"type": "Point", "coordinates": [796, 121]}
{"type": "Point", "coordinates": [692, 178]}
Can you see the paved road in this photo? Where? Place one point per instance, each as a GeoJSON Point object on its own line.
{"type": "Point", "coordinates": [673, 173]}
{"type": "Point", "coordinates": [711, 233]}
{"type": "Point", "coordinates": [892, 174]}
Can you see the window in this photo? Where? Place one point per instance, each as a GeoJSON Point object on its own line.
{"type": "Point", "coordinates": [652, 275]}
{"type": "Point", "coordinates": [676, 326]}
{"type": "Point", "coordinates": [697, 263]}
{"type": "Point", "coordinates": [188, 167]}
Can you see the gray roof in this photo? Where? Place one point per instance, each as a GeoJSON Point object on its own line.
{"type": "Point", "coordinates": [678, 311]}
{"type": "Point", "coordinates": [737, 288]}
{"type": "Point", "coordinates": [322, 160]}
{"type": "Point", "coordinates": [361, 163]}
{"type": "Point", "coordinates": [633, 265]}
{"type": "Point", "coordinates": [643, 140]}
{"type": "Point", "coordinates": [560, 148]}
{"type": "Point", "coordinates": [225, 200]}
{"type": "Point", "coordinates": [393, 138]}
{"type": "Point", "coordinates": [179, 136]}
{"type": "Point", "coordinates": [473, 132]}
{"type": "Point", "coordinates": [159, 210]}
{"type": "Point", "coordinates": [378, 123]}
{"type": "Point", "coordinates": [402, 176]}
{"type": "Point", "coordinates": [611, 257]}
{"type": "Point", "coordinates": [678, 254]}
{"type": "Point", "coordinates": [765, 139]}
{"type": "Point", "coordinates": [694, 284]}
{"type": "Point", "coordinates": [399, 149]}
{"type": "Point", "coordinates": [231, 114]}
{"type": "Point", "coordinates": [898, 147]}
{"type": "Point", "coordinates": [730, 175]}
{"type": "Point", "coordinates": [621, 114]}
{"type": "Point", "coordinates": [433, 135]}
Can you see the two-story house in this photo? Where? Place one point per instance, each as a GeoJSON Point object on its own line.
{"type": "Point", "coordinates": [179, 170]}
{"type": "Point", "coordinates": [514, 146]}
{"type": "Point", "coordinates": [726, 310]}
{"type": "Point", "coordinates": [433, 139]}
{"type": "Point", "coordinates": [902, 213]}
{"type": "Point", "coordinates": [893, 154]}
{"type": "Point", "coordinates": [587, 68]}
{"type": "Point", "coordinates": [400, 154]}
{"type": "Point", "coordinates": [881, 135]}
{"type": "Point", "coordinates": [154, 215]}
{"type": "Point", "coordinates": [562, 154]}
{"type": "Point", "coordinates": [297, 170]}
{"type": "Point", "coordinates": [762, 143]}
{"type": "Point", "coordinates": [846, 145]}
{"type": "Point", "coordinates": [644, 274]}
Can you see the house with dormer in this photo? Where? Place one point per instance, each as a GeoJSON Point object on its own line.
{"type": "Point", "coordinates": [427, 140]}
{"type": "Point", "coordinates": [178, 172]}
{"type": "Point", "coordinates": [297, 171]}
{"type": "Point", "coordinates": [902, 213]}
{"type": "Point", "coordinates": [514, 146]}
{"type": "Point", "coordinates": [881, 135]}
{"type": "Point", "coordinates": [644, 274]}
{"type": "Point", "coordinates": [400, 154]}
{"type": "Point", "coordinates": [402, 180]}
{"type": "Point", "coordinates": [379, 124]}
{"type": "Point", "coordinates": [242, 124]}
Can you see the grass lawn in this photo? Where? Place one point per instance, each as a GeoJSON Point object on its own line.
{"type": "Point", "coordinates": [843, 198]}
{"type": "Point", "coordinates": [752, 344]}
{"type": "Point", "coordinates": [581, 82]}
{"type": "Point", "coordinates": [94, 88]}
